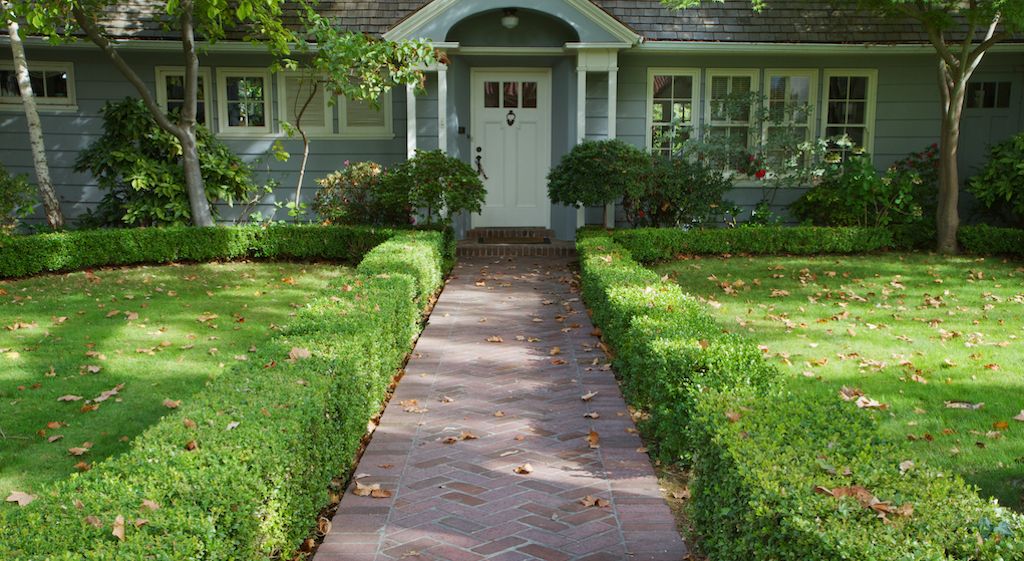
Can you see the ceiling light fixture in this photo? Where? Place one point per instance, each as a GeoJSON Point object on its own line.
{"type": "Point", "coordinates": [510, 20]}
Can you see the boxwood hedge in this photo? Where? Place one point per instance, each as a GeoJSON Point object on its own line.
{"type": "Point", "coordinates": [989, 240]}
{"type": "Point", "coordinates": [758, 453]}
{"type": "Point", "coordinates": [241, 470]}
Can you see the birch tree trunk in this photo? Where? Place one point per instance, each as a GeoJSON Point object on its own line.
{"type": "Point", "coordinates": [51, 204]}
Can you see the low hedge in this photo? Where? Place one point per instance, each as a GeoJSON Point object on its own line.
{"type": "Point", "coordinates": [989, 240]}
{"type": "Point", "coordinates": [649, 245]}
{"type": "Point", "coordinates": [79, 249]}
{"type": "Point", "coordinates": [714, 401]}
{"type": "Point", "coordinates": [241, 470]}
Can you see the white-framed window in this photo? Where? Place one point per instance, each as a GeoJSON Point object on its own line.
{"type": "Point", "coordinates": [989, 94]}
{"type": "Point", "coordinates": [170, 91]}
{"type": "Point", "coordinates": [729, 104]}
{"type": "Point", "coordinates": [672, 102]}
{"type": "Point", "coordinates": [295, 89]}
{"type": "Point", "coordinates": [244, 101]}
{"type": "Point", "coordinates": [792, 98]}
{"type": "Point", "coordinates": [848, 105]}
{"type": "Point", "coordinates": [53, 84]}
{"type": "Point", "coordinates": [364, 119]}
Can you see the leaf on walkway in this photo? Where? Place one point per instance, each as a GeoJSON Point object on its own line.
{"type": "Point", "coordinates": [594, 440]}
{"type": "Point", "coordinates": [588, 396]}
{"type": "Point", "coordinates": [525, 469]}
{"type": "Point", "coordinates": [495, 339]}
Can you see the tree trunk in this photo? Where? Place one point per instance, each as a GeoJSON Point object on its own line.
{"type": "Point", "coordinates": [947, 218]}
{"type": "Point", "coordinates": [51, 204]}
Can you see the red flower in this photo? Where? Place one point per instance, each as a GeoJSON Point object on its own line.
{"type": "Point", "coordinates": [640, 213]}
{"type": "Point", "coordinates": [761, 173]}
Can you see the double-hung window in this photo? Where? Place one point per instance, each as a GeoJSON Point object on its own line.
{"type": "Point", "coordinates": [730, 102]}
{"type": "Point", "coordinates": [244, 101]}
{"type": "Point", "coordinates": [672, 108]}
{"type": "Point", "coordinates": [53, 85]}
{"type": "Point", "coordinates": [791, 96]}
{"type": "Point", "coordinates": [170, 91]}
{"type": "Point", "coordinates": [849, 106]}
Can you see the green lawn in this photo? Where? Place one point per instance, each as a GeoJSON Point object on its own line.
{"type": "Point", "coordinates": [155, 334]}
{"type": "Point", "coordinates": [911, 332]}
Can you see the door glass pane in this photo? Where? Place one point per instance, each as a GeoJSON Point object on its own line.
{"type": "Point", "coordinates": [1003, 99]}
{"type": "Point", "coordinates": [529, 95]}
{"type": "Point", "coordinates": [491, 94]}
{"type": "Point", "coordinates": [511, 94]}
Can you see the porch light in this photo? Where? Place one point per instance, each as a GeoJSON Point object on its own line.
{"type": "Point", "coordinates": [510, 20]}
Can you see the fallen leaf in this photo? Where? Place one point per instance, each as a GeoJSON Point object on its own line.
{"type": "Point", "coordinates": [964, 405]}
{"type": "Point", "coordinates": [69, 398]}
{"type": "Point", "coordinates": [140, 522]}
{"type": "Point", "coordinates": [558, 362]}
{"type": "Point", "coordinates": [298, 354]}
{"type": "Point", "coordinates": [593, 415]}
{"type": "Point", "coordinates": [495, 339]}
{"type": "Point", "coordinates": [906, 466]}
{"type": "Point", "coordinates": [375, 491]}
{"type": "Point", "coordinates": [591, 501]}
{"type": "Point", "coordinates": [77, 451]}
{"type": "Point", "coordinates": [108, 394]}
{"type": "Point", "coordinates": [1020, 417]}
{"type": "Point", "coordinates": [172, 404]}
{"type": "Point", "coordinates": [20, 497]}
{"type": "Point", "coordinates": [118, 530]}
{"type": "Point", "coordinates": [150, 505]}
{"type": "Point", "coordinates": [499, 413]}
{"type": "Point", "coordinates": [524, 469]}
{"type": "Point", "coordinates": [733, 416]}
{"type": "Point", "coordinates": [594, 440]}
{"type": "Point", "coordinates": [555, 351]}
{"type": "Point", "coordinates": [588, 396]}
{"type": "Point", "coordinates": [1001, 425]}
{"type": "Point", "coordinates": [93, 521]}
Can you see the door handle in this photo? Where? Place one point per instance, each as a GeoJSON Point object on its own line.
{"type": "Point", "coordinates": [480, 167]}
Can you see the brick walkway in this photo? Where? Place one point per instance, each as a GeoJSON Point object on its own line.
{"type": "Point", "coordinates": [463, 501]}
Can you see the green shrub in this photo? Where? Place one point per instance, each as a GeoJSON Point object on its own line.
{"type": "Point", "coordinates": [269, 436]}
{"type": "Point", "coordinates": [421, 255]}
{"type": "Point", "coordinates": [676, 192]}
{"type": "Point", "coordinates": [68, 251]}
{"type": "Point", "coordinates": [598, 173]}
{"type": "Point", "coordinates": [660, 244]}
{"type": "Point", "coordinates": [353, 196]}
{"type": "Point", "coordinates": [437, 183]}
{"type": "Point", "coordinates": [764, 461]}
{"type": "Point", "coordinates": [989, 240]}
{"type": "Point", "coordinates": [999, 186]}
{"type": "Point", "coordinates": [139, 165]}
{"type": "Point", "coordinates": [17, 200]}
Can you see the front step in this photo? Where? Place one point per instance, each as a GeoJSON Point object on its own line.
{"type": "Point", "coordinates": [510, 236]}
{"type": "Point", "coordinates": [472, 248]}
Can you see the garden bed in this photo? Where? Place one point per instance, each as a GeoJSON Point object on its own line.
{"type": "Point", "coordinates": [210, 480]}
{"type": "Point", "coordinates": [779, 475]}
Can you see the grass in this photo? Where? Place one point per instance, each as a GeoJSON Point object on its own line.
{"type": "Point", "coordinates": [162, 332]}
{"type": "Point", "coordinates": [910, 331]}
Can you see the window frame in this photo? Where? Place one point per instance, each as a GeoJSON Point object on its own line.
{"type": "Point", "coordinates": [384, 132]}
{"type": "Point", "coordinates": [695, 104]}
{"type": "Point", "coordinates": [812, 75]}
{"type": "Point", "coordinates": [45, 104]}
{"type": "Point", "coordinates": [223, 74]}
{"type": "Point", "coordinates": [709, 75]}
{"type": "Point", "coordinates": [870, 108]}
{"type": "Point", "coordinates": [283, 101]}
{"type": "Point", "coordinates": [164, 72]}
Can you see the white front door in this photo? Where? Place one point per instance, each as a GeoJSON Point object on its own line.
{"type": "Point", "coordinates": [511, 145]}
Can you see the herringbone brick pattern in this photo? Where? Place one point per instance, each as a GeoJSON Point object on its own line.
{"type": "Point", "coordinates": [460, 499]}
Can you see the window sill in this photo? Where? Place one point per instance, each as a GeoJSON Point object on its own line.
{"type": "Point", "coordinates": [236, 135]}
{"type": "Point", "coordinates": [42, 108]}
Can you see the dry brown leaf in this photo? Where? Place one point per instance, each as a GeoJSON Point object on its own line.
{"type": "Point", "coordinates": [20, 497]}
{"type": "Point", "coordinates": [594, 440]}
{"type": "Point", "coordinates": [593, 415]}
{"type": "Point", "coordinates": [77, 451]}
{"type": "Point", "coordinates": [108, 394]}
{"type": "Point", "coordinates": [150, 505]}
{"type": "Point", "coordinates": [558, 362]}
{"type": "Point", "coordinates": [69, 398]}
{"type": "Point", "coordinates": [525, 469]}
{"type": "Point", "coordinates": [118, 531]}
{"type": "Point", "coordinates": [1001, 425]}
{"type": "Point", "coordinates": [555, 351]}
{"type": "Point", "coordinates": [588, 396]}
{"type": "Point", "coordinates": [140, 522]}
{"type": "Point", "coordinates": [591, 501]}
{"type": "Point", "coordinates": [495, 339]}
{"type": "Point", "coordinates": [172, 404]}
{"type": "Point", "coordinates": [93, 521]}
{"type": "Point", "coordinates": [964, 405]}
{"type": "Point", "coordinates": [499, 413]}
{"type": "Point", "coordinates": [1020, 417]}
{"type": "Point", "coordinates": [298, 354]}
{"type": "Point", "coordinates": [733, 416]}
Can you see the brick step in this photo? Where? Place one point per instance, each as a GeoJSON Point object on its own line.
{"type": "Point", "coordinates": [511, 235]}
{"type": "Point", "coordinates": [472, 248]}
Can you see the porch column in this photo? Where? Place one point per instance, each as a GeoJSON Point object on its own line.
{"type": "Point", "coordinates": [581, 125]}
{"type": "Point", "coordinates": [442, 108]}
{"type": "Point", "coordinates": [613, 101]}
{"type": "Point", "coordinates": [410, 120]}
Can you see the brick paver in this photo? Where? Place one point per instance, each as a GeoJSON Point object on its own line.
{"type": "Point", "coordinates": [521, 399]}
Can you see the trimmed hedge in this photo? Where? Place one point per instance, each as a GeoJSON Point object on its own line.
{"type": "Point", "coordinates": [713, 400]}
{"type": "Point", "coordinates": [270, 434]}
{"type": "Point", "coordinates": [650, 245]}
{"type": "Point", "coordinates": [989, 240]}
{"type": "Point", "coordinates": [22, 256]}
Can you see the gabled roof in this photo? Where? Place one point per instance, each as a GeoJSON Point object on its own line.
{"type": "Point", "coordinates": [782, 21]}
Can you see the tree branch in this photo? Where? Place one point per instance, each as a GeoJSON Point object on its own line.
{"type": "Point", "coordinates": [101, 41]}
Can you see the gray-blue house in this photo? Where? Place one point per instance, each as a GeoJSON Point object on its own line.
{"type": "Point", "coordinates": [526, 81]}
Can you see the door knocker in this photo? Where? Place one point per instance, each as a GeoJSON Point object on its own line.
{"type": "Point", "coordinates": [510, 118]}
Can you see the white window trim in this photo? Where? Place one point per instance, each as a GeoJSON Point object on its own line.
{"type": "Point", "coordinates": [222, 102]}
{"type": "Point", "coordinates": [812, 96]}
{"type": "Point", "coordinates": [45, 104]}
{"type": "Point", "coordinates": [283, 101]}
{"type": "Point", "coordinates": [869, 119]}
{"type": "Point", "coordinates": [712, 73]}
{"type": "Point", "coordinates": [164, 72]}
{"type": "Point", "coordinates": [694, 74]}
{"type": "Point", "coordinates": [385, 132]}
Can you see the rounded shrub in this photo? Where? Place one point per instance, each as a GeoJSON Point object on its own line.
{"type": "Point", "coordinates": [676, 192]}
{"type": "Point", "coordinates": [435, 183]}
{"type": "Point", "coordinates": [354, 195]}
{"type": "Point", "coordinates": [598, 173]}
{"type": "Point", "coordinates": [999, 186]}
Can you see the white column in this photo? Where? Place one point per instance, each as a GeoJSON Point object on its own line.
{"type": "Point", "coordinates": [442, 108]}
{"type": "Point", "coordinates": [613, 101]}
{"type": "Point", "coordinates": [410, 122]}
{"type": "Point", "coordinates": [581, 128]}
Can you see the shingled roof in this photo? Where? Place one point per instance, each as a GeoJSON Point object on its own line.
{"type": "Point", "coordinates": [782, 21]}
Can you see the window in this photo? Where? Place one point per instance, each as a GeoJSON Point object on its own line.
{"type": "Point", "coordinates": [53, 84]}
{"type": "Point", "coordinates": [362, 119]}
{"type": "Point", "coordinates": [672, 108]}
{"type": "Point", "coordinates": [730, 103]}
{"type": "Point", "coordinates": [849, 105]}
{"type": "Point", "coordinates": [988, 95]}
{"type": "Point", "coordinates": [791, 97]}
{"type": "Point", "coordinates": [318, 117]}
{"type": "Point", "coordinates": [244, 100]}
{"type": "Point", "coordinates": [170, 91]}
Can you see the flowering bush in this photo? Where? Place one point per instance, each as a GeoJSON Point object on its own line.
{"type": "Point", "coordinates": [354, 195]}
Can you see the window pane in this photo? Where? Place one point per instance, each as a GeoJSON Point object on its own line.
{"type": "Point", "coordinates": [56, 84]}
{"type": "Point", "coordinates": [682, 87]}
{"type": "Point", "coordinates": [530, 95]}
{"type": "Point", "coordinates": [858, 87]}
{"type": "Point", "coordinates": [740, 85]}
{"type": "Point", "coordinates": [8, 84]}
{"type": "Point", "coordinates": [777, 88]}
{"type": "Point", "coordinates": [175, 87]}
{"type": "Point", "coordinates": [245, 101]}
{"type": "Point", "coordinates": [38, 84]}
{"type": "Point", "coordinates": [719, 87]}
{"type": "Point", "coordinates": [682, 111]}
{"type": "Point", "coordinates": [511, 94]}
{"type": "Point", "coordinates": [363, 114]}
{"type": "Point", "coordinates": [856, 113]}
{"type": "Point", "coordinates": [662, 112]}
{"type": "Point", "coordinates": [1003, 97]}
{"type": "Point", "coordinates": [491, 94]}
{"type": "Point", "coordinates": [662, 87]}
{"type": "Point", "coordinates": [838, 87]}
{"type": "Point", "coordinates": [856, 134]}
{"type": "Point", "coordinates": [836, 112]}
